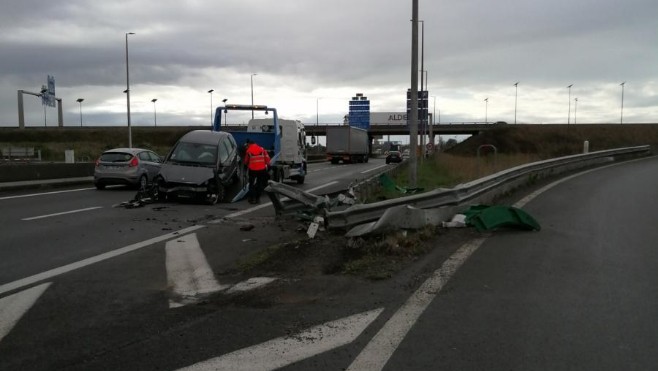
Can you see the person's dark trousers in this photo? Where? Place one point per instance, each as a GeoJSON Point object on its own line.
{"type": "Point", "coordinates": [257, 182]}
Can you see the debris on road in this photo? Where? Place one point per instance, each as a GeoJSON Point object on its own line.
{"type": "Point", "coordinates": [145, 195]}
{"type": "Point", "coordinates": [457, 221]}
{"type": "Point", "coordinates": [317, 223]}
{"type": "Point", "coordinates": [400, 217]}
{"type": "Point", "coordinates": [246, 227]}
{"type": "Point", "coordinates": [488, 218]}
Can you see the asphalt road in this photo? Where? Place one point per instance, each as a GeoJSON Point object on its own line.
{"type": "Point", "coordinates": [579, 294]}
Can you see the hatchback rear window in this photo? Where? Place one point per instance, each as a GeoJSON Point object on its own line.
{"type": "Point", "coordinates": [116, 157]}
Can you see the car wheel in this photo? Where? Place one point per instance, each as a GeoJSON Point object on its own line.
{"type": "Point", "coordinates": [388, 162]}
{"type": "Point", "coordinates": [100, 186]}
{"type": "Point", "coordinates": [143, 182]}
{"type": "Point", "coordinates": [300, 180]}
{"type": "Point", "coordinates": [216, 193]}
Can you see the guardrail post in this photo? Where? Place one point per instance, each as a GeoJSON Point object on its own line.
{"type": "Point", "coordinates": [586, 146]}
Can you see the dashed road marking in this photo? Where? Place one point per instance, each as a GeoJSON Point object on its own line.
{"type": "Point", "coordinates": [63, 213]}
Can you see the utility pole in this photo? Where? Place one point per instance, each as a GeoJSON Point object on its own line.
{"type": "Point", "coordinates": [413, 111]}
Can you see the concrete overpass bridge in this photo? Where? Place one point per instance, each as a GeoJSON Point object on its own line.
{"type": "Point", "coordinates": [461, 128]}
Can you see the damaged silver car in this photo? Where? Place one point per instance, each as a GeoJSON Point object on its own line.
{"type": "Point", "coordinates": [202, 166]}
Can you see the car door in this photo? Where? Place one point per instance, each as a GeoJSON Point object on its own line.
{"type": "Point", "coordinates": [227, 159]}
{"type": "Point", "coordinates": [156, 162]}
{"type": "Point", "coordinates": [146, 164]}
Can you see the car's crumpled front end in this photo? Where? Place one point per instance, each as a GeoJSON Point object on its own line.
{"type": "Point", "coordinates": [185, 181]}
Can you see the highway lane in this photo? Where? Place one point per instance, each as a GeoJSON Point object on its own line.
{"type": "Point", "coordinates": [45, 230]}
{"type": "Point", "coordinates": [97, 311]}
{"type": "Point", "coordinates": [539, 300]}
{"type": "Point", "coordinates": [581, 294]}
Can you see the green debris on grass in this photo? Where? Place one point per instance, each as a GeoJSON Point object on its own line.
{"type": "Point", "coordinates": [390, 185]}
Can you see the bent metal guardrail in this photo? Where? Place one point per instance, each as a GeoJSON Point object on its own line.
{"type": "Point", "coordinates": [481, 190]}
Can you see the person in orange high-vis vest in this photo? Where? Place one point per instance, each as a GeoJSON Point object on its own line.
{"type": "Point", "coordinates": [257, 160]}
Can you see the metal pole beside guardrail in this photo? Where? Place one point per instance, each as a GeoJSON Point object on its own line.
{"type": "Point", "coordinates": [481, 190]}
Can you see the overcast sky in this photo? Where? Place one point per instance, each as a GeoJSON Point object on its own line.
{"type": "Point", "coordinates": [312, 56]}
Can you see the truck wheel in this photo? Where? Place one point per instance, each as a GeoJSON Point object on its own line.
{"type": "Point", "coordinates": [366, 159]}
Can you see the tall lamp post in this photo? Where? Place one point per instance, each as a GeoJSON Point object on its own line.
{"type": "Point", "coordinates": [621, 120]}
{"type": "Point", "coordinates": [210, 92]}
{"type": "Point", "coordinates": [317, 111]}
{"type": "Point", "coordinates": [252, 93]}
{"type": "Point", "coordinates": [569, 114]}
{"type": "Point", "coordinates": [80, 100]}
{"type": "Point", "coordinates": [155, 117]}
{"type": "Point", "coordinates": [127, 91]}
{"type": "Point", "coordinates": [486, 107]}
{"type": "Point", "coordinates": [575, 111]}
{"type": "Point", "coordinates": [516, 96]}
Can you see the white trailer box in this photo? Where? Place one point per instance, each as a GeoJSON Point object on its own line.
{"type": "Point", "coordinates": [347, 144]}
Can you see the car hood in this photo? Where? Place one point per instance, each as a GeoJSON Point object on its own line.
{"type": "Point", "coordinates": [186, 174]}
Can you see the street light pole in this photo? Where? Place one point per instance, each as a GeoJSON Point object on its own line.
{"type": "Point", "coordinates": [569, 115]}
{"type": "Point", "coordinates": [210, 92]}
{"type": "Point", "coordinates": [621, 120]}
{"type": "Point", "coordinates": [252, 93]}
{"type": "Point", "coordinates": [486, 108]}
{"type": "Point", "coordinates": [155, 117]}
{"type": "Point", "coordinates": [130, 135]}
{"type": "Point", "coordinates": [516, 96]}
{"type": "Point", "coordinates": [317, 111]}
{"type": "Point", "coordinates": [575, 111]}
{"type": "Point", "coordinates": [79, 100]}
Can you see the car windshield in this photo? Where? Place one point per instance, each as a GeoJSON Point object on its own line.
{"type": "Point", "coordinates": [205, 154]}
{"type": "Point", "coordinates": [116, 157]}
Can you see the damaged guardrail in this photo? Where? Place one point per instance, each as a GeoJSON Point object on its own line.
{"type": "Point", "coordinates": [482, 190]}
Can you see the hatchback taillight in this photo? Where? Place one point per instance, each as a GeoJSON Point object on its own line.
{"type": "Point", "coordinates": [98, 161]}
{"type": "Point", "coordinates": [134, 162]}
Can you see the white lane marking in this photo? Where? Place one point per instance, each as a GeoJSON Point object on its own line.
{"type": "Point", "coordinates": [94, 259]}
{"type": "Point", "coordinates": [62, 213]}
{"type": "Point", "coordinates": [250, 284]}
{"type": "Point", "coordinates": [261, 206]}
{"type": "Point", "coordinates": [378, 351]}
{"type": "Point", "coordinates": [13, 307]}
{"type": "Point", "coordinates": [373, 169]}
{"type": "Point", "coordinates": [45, 193]}
{"type": "Point", "coordinates": [188, 273]}
{"type": "Point", "coordinates": [286, 350]}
